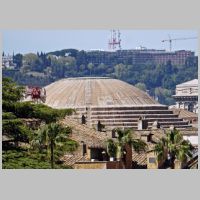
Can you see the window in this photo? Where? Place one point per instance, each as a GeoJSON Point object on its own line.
{"type": "Point", "coordinates": [152, 160]}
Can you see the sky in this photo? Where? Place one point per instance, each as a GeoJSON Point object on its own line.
{"type": "Point", "coordinates": [32, 41]}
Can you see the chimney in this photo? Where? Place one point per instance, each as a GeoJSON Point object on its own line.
{"type": "Point", "coordinates": [171, 128]}
{"type": "Point", "coordinates": [149, 137]}
{"type": "Point", "coordinates": [100, 126]}
{"type": "Point", "coordinates": [155, 125]}
{"type": "Point", "coordinates": [83, 148]}
{"type": "Point", "coordinates": [83, 119]}
{"type": "Point", "coordinates": [142, 123]}
{"type": "Point", "coordinates": [114, 133]}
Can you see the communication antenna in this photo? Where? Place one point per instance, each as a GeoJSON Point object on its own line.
{"type": "Point", "coordinates": [115, 40]}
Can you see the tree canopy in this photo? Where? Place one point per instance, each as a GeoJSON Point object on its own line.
{"type": "Point", "coordinates": [116, 147]}
{"type": "Point", "coordinates": [18, 136]}
{"type": "Point", "coordinates": [175, 146]}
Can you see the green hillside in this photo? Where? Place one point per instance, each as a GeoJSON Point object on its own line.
{"type": "Point", "coordinates": [44, 68]}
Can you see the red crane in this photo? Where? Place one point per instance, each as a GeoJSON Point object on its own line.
{"type": "Point", "coordinates": [174, 39]}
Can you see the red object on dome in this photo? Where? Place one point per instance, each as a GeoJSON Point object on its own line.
{"type": "Point", "coordinates": [36, 93]}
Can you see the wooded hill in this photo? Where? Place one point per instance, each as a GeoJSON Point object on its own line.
{"type": "Point", "coordinates": [44, 68]}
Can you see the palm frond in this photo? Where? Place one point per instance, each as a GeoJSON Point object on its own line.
{"type": "Point", "coordinates": [175, 145]}
{"type": "Point", "coordinates": [138, 145]}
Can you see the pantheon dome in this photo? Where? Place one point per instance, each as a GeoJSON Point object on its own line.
{"type": "Point", "coordinates": [81, 92]}
{"type": "Point", "coordinates": [113, 102]}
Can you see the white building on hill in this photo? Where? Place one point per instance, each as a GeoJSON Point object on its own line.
{"type": "Point", "coordinates": [187, 96]}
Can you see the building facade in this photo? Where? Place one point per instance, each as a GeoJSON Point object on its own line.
{"type": "Point", "coordinates": [7, 62]}
{"type": "Point", "coordinates": [176, 57]}
{"type": "Point", "coordinates": [187, 96]}
{"type": "Point", "coordinates": [138, 56]}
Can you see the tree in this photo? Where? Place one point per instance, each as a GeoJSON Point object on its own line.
{"type": "Point", "coordinates": [17, 59]}
{"type": "Point", "coordinates": [30, 59]}
{"type": "Point", "coordinates": [111, 148]}
{"type": "Point", "coordinates": [12, 127]}
{"type": "Point", "coordinates": [15, 129]}
{"type": "Point", "coordinates": [40, 111]}
{"type": "Point", "coordinates": [116, 148]}
{"type": "Point", "coordinates": [120, 70]}
{"type": "Point", "coordinates": [11, 92]}
{"type": "Point", "coordinates": [175, 146]}
{"type": "Point", "coordinates": [191, 61]}
{"type": "Point", "coordinates": [163, 95]}
{"type": "Point", "coordinates": [101, 68]}
{"type": "Point", "coordinates": [53, 137]}
{"type": "Point", "coordinates": [90, 67]}
{"type": "Point", "coordinates": [141, 86]}
{"type": "Point", "coordinates": [25, 69]}
{"type": "Point", "coordinates": [168, 68]}
{"type": "Point", "coordinates": [82, 67]}
{"type": "Point", "coordinates": [48, 71]}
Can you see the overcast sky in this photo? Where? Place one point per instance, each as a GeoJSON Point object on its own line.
{"type": "Point", "coordinates": [33, 41]}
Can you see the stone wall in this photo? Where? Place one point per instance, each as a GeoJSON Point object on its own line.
{"type": "Point", "coordinates": [99, 165]}
{"type": "Point", "coordinates": [128, 116]}
{"type": "Point", "coordinates": [152, 161]}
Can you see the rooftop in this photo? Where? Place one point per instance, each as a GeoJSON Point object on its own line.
{"type": "Point", "coordinates": [193, 82]}
{"type": "Point", "coordinates": [184, 113]}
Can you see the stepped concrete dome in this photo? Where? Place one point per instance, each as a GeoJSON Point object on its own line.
{"type": "Point", "coordinates": [81, 92]}
{"type": "Point", "coordinates": [112, 102]}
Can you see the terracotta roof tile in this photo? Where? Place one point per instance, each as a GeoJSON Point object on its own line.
{"type": "Point", "coordinates": [184, 113]}
{"type": "Point", "coordinates": [139, 160]}
{"type": "Point", "coordinates": [82, 133]}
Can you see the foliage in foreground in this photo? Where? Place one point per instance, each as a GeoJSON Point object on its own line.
{"type": "Point", "coordinates": [24, 159]}
{"type": "Point", "coordinates": [40, 111]}
{"type": "Point", "coordinates": [54, 137]}
{"type": "Point", "coordinates": [116, 148]}
{"type": "Point", "coordinates": [175, 146]}
{"type": "Point", "coordinates": [18, 150]}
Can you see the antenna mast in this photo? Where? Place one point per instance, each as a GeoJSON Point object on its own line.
{"type": "Point", "coordinates": [115, 40]}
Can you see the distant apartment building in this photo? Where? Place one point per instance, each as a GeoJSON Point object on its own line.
{"type": "Point", "coordinates": [176, 57]}
{"type": "Point", "coordinates": [138, 56]}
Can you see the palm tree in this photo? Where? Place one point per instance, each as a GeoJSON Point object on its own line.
{"type": "Point", "coordinates": [117, 148]}
{"type": "Point", "coordinates": [111, 148]}
{"type": "Point", "coordinates": [52, 136]}
{"type": "Point", "coordinates": [175, 146]}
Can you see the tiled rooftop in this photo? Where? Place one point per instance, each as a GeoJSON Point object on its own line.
{"type": "Point", "coordinates": [184, 113]}
{"type": "Point", "coordinates": [189, 83]}
{"type": "Point", "coordinates": [82, 133]}
{"type": "Point", "coordinates": [139, 160]}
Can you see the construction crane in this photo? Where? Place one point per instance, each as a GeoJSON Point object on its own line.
{"type": "Point", "coordinates": [174, 39]}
